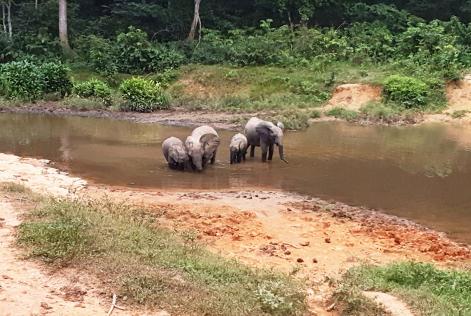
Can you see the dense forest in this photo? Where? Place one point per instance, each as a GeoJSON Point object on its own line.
{"type": "Point", "coordinates": [429, 41]}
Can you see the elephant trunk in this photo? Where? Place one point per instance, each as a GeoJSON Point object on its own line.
{"type": "Point", "coordinates": [282, 155]}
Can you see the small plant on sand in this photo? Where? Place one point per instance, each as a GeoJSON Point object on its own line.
{"type": "Point", "coordinates": [459, 114]}
{"type": "Point", "coordinates": [342, 113]}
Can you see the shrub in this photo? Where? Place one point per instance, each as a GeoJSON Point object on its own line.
{"type": "Point", "coordinates": [56, 78]}
{"type": "Point", "coordinates": [143, 95]}
{"type": "Point", "coordinates": [134, 51]}
{"type": "Point", "coordinates": [25, 80]}
{"type": "Point", "coordinates": [94, 88]}
{"type": "Point", "coordinates": [405, 91]}
{"type": "Point", "coordinates": [99, 53]}
{"type": "Point", "coordinates": [21, 80]}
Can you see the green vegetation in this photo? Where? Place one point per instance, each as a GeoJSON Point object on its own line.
{"type": "Point", "coordinates": [94, 88]}
{"type": "Point", "coordinates": [142, 95]}
{"type": "Point", "coordinates": [26, 80]}
{"type": "Point", "coordinates": [152, 265]}
{"type": "Point", "coordinates": [429, 290]}
{"type": "Point", "coordinates": [251, 56]}
{"type": "Point", "coordinates": [406, 91]}
{"type": "Point", "coordinates": [342, 113]}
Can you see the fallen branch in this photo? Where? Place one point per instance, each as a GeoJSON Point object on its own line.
{"type": "Point", "coordinates": [113, 305]}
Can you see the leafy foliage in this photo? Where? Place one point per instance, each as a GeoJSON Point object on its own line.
{"type": "Point", "coordinates": [405, 91]}
{"type": "Point", "coordinates": [25, 80]}
{"type": "Point", "coordinates": [94, 88]}
{"type": "Point", "coordinates": [143, 95]}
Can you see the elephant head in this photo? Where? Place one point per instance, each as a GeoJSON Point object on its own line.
{"type": "Point", "coordinates": [271, 134]}
{"type": "Point", "coordinates": [179, 158]}
{"type": "Point", "coordinates": [210, 144]}
{"type": "Point", "coordinates": [195, 151]}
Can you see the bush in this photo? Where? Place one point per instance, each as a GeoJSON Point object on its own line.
{"type": "Point", "coordinates": [99, 53]}
{"type": "Point", "coordinates": [405, 91]}
{"type": "Point", "coordinates": [56, 78]}
{"type": "Point", "coordinates": [143, 95]}
{"type": "Point", "coordinates": [25, 80]}
{"type": "Point", "coordinates": [94, 88]}
{"type": "Point", "coordinates": [21, 80]}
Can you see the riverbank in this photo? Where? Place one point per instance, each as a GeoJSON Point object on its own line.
{"type": "Point", "coordinates": [312, 239]}
{"type": "Point", "coordinates": [226, 97]}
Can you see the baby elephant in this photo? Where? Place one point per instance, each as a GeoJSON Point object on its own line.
{"type": "Point", "coordinates": [175, 153]}
{"type": "Point", "coordinates": [238, 148]}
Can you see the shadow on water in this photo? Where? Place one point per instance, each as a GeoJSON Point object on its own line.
{"type": "Point", "coordinates": [421, 173]}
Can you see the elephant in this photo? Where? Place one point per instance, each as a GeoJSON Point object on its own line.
{"type": "Point", "coordinates": [175, 153]}
{"type": "Point", "coordinates": [264, 134]}
{"type": "Point", "coordinates": [202, 146]}
{"type": "Point", "coordinates": [238, 148]}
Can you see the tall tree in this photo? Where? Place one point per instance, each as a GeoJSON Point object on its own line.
{"type": "Point", "coordinates": [6, 17]}
{"type": "Point", "coordinates": [63, 33]}
{"type": "Point", "coordinates": [196, 22]}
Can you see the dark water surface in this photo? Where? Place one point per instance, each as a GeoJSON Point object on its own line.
{"type": "Point", "coordinates": [421, 173]}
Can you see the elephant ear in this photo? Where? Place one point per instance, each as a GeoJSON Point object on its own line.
{"type": "Point", "coordinates": [209, 141]}
{"type": "Point", "coordinates": [266, 131]}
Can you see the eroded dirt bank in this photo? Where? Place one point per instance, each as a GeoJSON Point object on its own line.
{"type": "Point", "coordinates": [310, 237]}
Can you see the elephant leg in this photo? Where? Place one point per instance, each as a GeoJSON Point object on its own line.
{"type": "Point", "coordinates": [243, 155]}
{"type": "Point", "coordinates": [213, 158]}
{"type": "Point", "coordinates": [270, 152]}
{"type": "Point", "coordinates": [252, 151]}
{"type": "Point", "coordinates": [264, 151]}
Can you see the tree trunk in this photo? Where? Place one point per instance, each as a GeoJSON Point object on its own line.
{"type": "Point", "coordinates": [10, 29]}
{"type": "Point", "coordinates": [196, 22]}
{"type": "Point", "coordinates": [63, 33]}
{"type": "Point", "coordinates": [35, 4]}
{"type": "Point", "coordinates": [4, 21]}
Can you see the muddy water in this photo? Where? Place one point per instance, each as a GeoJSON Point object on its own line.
{"type": "Point", "coordinates": [421, 173]}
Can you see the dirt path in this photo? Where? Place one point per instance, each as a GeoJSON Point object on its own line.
{"type": "Point", "coordinates": [25, 289]}
{"type": "Point", "coordinates": [390, 303]}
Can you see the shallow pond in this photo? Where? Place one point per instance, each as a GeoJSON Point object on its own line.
{"type": "Point", "coordinates": [422, 173]}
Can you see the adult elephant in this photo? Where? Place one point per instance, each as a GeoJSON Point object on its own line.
{"type": "Point", "coordinates": [202, 146]}
{"type": "Point", "coordinates": [264, 134]}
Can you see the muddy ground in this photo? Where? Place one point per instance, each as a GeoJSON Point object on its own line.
{"type": "Point", "coordinates": [315, 239]}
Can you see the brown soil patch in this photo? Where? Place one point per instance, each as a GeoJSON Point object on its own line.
{"type": "Point", "coordinates": [459, 95]}
{"type": "Point", "coordinates": [353, 96]}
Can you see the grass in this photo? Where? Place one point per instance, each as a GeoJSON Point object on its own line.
{"type": "Point", "coordinates": [263, 88]}
{"type": "Point", "coordinates": [459, 114]}
{"type": "Point", "coordinates": [151, 265]}
{"type": "Point", "coordinates": [427, 289]}
{"type": "Point", "coordinates": [342, 113]}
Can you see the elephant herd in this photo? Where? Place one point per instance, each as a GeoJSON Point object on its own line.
{"type": "Point", "coordinates": [200, 148]}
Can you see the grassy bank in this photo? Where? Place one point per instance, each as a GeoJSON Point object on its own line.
{"type": "Point", "coordinates": [292, 95]}
{"type": "Point", "coordinates": [126, 248]}
{"type": "Point", "coordinates": [425, 288]}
